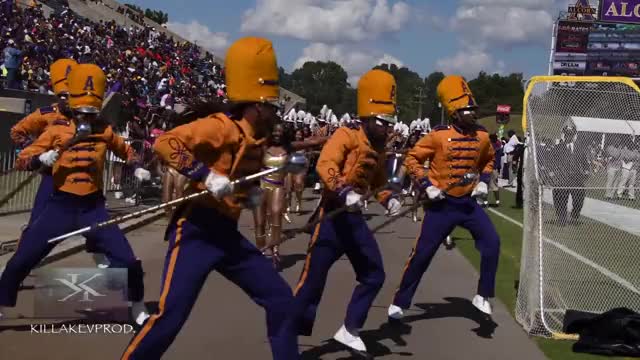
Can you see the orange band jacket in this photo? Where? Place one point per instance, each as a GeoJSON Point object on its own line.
{"type": "Point", "coordinates": [215, 143]}
{"type": "Point", "coordinates": [80, 166]}
{"type": "Point", "coordinates": [349, 162]}
{"type": "Point", "coordinates": [452, 153]}
{"type": "Point", "coordinates": [32, 126]}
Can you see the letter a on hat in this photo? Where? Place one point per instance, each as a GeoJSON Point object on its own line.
{"type": "Point", "coordinates": [88, 86]}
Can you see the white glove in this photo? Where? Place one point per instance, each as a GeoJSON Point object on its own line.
{"type": "Point", "coordinates": [49, 158]}
{"type": "Point", "coordinates": [219, 185]}
{"type": "Point", "coordinates": [434, 193]}
{"type": "Point", "coordinates": [353, 199]}
{"type": "Point", "coordinates": [393, 207]}
{"type": "Point", "coordinates": [142, 174]}
{"type": "Point", "coordinates": [480, 190]}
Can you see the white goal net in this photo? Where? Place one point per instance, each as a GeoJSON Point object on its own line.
{"type": "Point", "coordinates": [581, 241]}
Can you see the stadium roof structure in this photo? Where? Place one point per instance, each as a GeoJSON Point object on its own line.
{"type": "Point", "coordinates": [606, 126]}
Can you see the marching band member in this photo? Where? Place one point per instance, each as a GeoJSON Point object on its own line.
{"type": "Point", "coordinates": [453, 151]}
{"type": "Point", "coordinates": [270, 213]}
{"type": "Point", "coordinates": [77, 166]}
{"type": "Point", "coordinates": [268, 216]}
{"type": "Point", "coordinates": [173, 184]}
{"type": "Point", "coordinates": [32, 126]}
{"type": "Point", "coordinates": [297, 180]}
{"type": "Point", "coordinates": [204, 233]}
{"type": "Point", "coordinates": [322, 130]}
{"type": "Point", "coordinates": [351, 164]}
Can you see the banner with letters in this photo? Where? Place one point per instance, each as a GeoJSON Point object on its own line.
{"type": "Point", "coordinates": [620, 11]}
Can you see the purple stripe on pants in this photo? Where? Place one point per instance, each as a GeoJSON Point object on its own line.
{"type": "Point", "coordinates": [439, 221]}
{"type": "Point", "coordinates": [203, 242]}
{"type": "Point", "coordinates": [347, 234]}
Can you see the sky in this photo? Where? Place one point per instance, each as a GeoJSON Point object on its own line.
{"type": "Point", "coordinates": [452, 36]}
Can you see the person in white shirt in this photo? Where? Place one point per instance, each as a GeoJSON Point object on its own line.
{"type": "Point", "coordinates": [509, 148]}
{"type": "Point", "coordinates": [628, 173]}
{"type": "Point", "coordinates": [614, 165]}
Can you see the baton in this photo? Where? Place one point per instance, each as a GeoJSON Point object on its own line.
{"type": "Point", "coordinates": [466, 179]}
{"type": "Point", "coordinates": [292, 232]}
{"type": "Point", "coordinates": [121, 219]}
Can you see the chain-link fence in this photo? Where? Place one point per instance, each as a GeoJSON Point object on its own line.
{"type": "Point", "coordinates": [119, 180]}
{"type": "Point", "coordinates": [11, 179]}
{"type": "Point", "coordinates": [581, 244]}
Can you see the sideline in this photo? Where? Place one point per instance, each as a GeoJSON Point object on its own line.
{"type": "Point", "coordinates": [613, 276]}
{"type": "Point", "coordinates": [614, 215]}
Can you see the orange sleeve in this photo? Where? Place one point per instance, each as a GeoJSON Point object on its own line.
{"type": "Point", "coordinates": [28, 157]}
{"type": "Point", "coordinates": [123, 150]}
{"type": "Point", "coordinates": [332, 157]}
{"type": "Point", "coordinates": [32, 124]}
{"type": "Point", "coordinates": [424, 150]}
{"type": "Point", "coordinates": [178, 147]}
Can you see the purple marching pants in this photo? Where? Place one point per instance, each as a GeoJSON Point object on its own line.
{"type": "Point", "coordinates": [202, 241]}
{"type": "Point", "coordinates": [45, 189]}
{"type": "Point", "coordinates": [439, 221]}
{"type": "Point", "coordinates": [62, 213]}
{"type": "Point", "coordinates": [348, 234]}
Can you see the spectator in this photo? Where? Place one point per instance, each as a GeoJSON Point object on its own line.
{"type": "Point", "coordinates": [570, 167]}
{"type": "Point", "coordinates": [497, 163]}
{"type": "Point", "coordinates": [12, 62]}
{"type": "Point", "coordinates": [509, 148]}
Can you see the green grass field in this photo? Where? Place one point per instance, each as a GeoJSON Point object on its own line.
{"type": "Point", "coordinates": [509, 267]}
{"type": "Point", "coordinates": [490, 124]}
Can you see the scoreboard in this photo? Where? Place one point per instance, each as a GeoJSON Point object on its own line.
{"type": "Point", "coordinates": [597, 48]}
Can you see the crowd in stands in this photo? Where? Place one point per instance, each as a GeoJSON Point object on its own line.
{"type": "Point", "coordinates": [151, 70]}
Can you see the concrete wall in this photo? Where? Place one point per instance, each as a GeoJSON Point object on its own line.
{"type": "Point", "coordinates": [36, 100]}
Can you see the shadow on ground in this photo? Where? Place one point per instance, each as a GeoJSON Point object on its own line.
{"type": "Point", "coordinates": [289, 261]}
{"type": "Point", "coordinates": [395, 330]}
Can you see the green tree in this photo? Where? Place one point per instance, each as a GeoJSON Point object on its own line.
{"type": "Point", "coordinates": [492, 90]}
{"type": "Point", "coordinates": [322, 83]}
{"type": "Point", "coordinates": [157, 16]}
{"type": "Point", "coordinates": [431, 108]}
{"type": "Point", "coordinates": [134, 7]}
{"type": "Point", "coordinates": [284, 78]}
{"type": "Point", "coordinates": [326, 83]}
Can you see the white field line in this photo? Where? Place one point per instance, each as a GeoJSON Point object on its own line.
{"type": "Point", "coordinates": [629, 286]}
{"type": "Point", "coordinates": [614, 215]}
